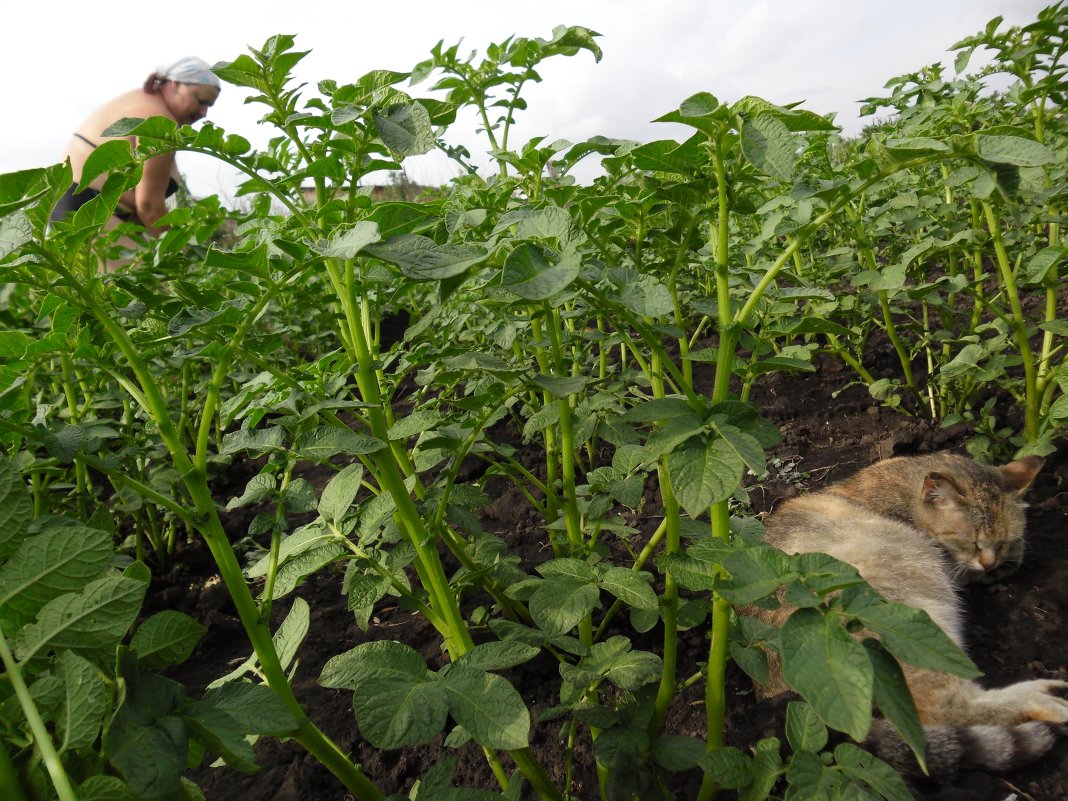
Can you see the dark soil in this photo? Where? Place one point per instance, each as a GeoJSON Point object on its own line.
{"type": "Point", "coordinates": [1016, 627]}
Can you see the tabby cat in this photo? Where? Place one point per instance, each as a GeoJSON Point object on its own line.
{"type": "Point", "coordinates": [915, 528]}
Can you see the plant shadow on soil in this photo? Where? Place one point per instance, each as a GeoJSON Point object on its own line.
{"type": "Point", "coordinates": [1015, 628]}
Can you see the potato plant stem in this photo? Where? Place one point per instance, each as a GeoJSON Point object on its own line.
{"type": "Point", "coordinates": [842, 353]}
{"type": "Point", "coordinates": [389, 473]}
{"type": "Point", "coordinates": [552, 450]}
{"type": "Point", "coordinates": [1045, 364]}
{"type": "Point", "coordinates": [890, 326]}
{"type": "Point", "coordinates": [728, 334]}
{"type": "Point", "coordinates": [572, 519]}
{"type": "Point", "coordinates": [883, 296]}
{"type": "Point", "coordinates": [42, 739]}
{"type": "Point", "coordinates": [669, 607]}
{"type": "Point", "coordinates": [729, 325]}
{"type": "Point", "coordinates": [140, 488]}
{"type": "Point", "coordinates": [680, 318]}
{"type": "Point", "coordinates": [1018, 323]}
{"type": "Point", "coordinates": [715, 687]}
{"type": "Point", "coordinates": [210, 527]}
{"type": "Point", "coordinates": [276, 542]}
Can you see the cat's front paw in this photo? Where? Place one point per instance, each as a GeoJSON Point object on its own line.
{"type": "Point", "coordinates": [1038, 700]}
{"type": "Point", "coordinates": [1041, 699]}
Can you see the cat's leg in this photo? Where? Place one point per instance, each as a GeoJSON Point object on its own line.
{"type": "Point", "coordinates": [966, 725]}
{"type": "Point", "coordinates": [1025, 701]}
{"type": "Point", "coordinates": [942, 699]}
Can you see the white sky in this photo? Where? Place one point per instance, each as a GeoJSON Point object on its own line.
{"type": "Point", "coordinates": [64, 57]}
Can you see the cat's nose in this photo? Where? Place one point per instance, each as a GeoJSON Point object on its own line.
{"type": "Point", "coordinates": [988, 558]}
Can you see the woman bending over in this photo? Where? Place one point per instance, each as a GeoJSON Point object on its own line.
{"type": "Point", "coordinates": [182, 91]}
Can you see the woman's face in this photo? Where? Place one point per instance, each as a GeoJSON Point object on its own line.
{"type": "Point", "coordinates": [190, 102]}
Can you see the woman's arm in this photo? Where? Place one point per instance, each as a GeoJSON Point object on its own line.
{"type": "Point", "coordinates": [150, 192]}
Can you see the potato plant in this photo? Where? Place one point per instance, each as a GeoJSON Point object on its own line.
{"type": "Point", "coordinates": [620, 330]}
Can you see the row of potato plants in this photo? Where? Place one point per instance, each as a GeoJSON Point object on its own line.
{"type": "Point", "coordinates": [621, 328]}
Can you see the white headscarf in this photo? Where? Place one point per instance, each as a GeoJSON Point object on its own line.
{"type": "Point", "coordinates": [189, 70]}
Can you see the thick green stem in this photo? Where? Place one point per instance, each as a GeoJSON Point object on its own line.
{"type": "Point", "coordinates": [718, 652]}
{"type": "Point", "coordinates": [389, 473]}
{"type": "Point", "coordinates": [308, 735]}
{"type": "Point", "coordinates": [1019, 326]}
{"type": "Point", "coordinates": [669, 610]}
{"type": "Point", "coordinates": [715, 687]}
{"type": "Point", "coordinates": [669, 607]}
{"type": "Point", "coordinates": [1045, 359]}
{"type": "Point", "coordinates": [839, 350]}
{"type": "Point", "coordinates": [536, 775]}
{"type": "Point", "coordinates": [728, 331]}
{"type": "Point", "coordinates": [210, 527]}
{"type": "Point", "coordinates": [890, 326]}
{"type": "Point", "coordinates": [41, 737]}
{"type": "Point", "coordinates": [680, 319]}
{"type": "Point", "coordinates": [932, 399]}
{"type": "Point", "coordinates": [552, 449]}
{"type": "Point", "coordinates": [1046, 369]}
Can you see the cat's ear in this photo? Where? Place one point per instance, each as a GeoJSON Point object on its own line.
{"type": "Point", "coordinates": [1018, 475]}
{"type": "Point", "coordinates": [938, 489]}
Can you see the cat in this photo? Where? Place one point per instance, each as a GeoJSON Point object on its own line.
{"type": "Point", "coordinates": [916, 528]}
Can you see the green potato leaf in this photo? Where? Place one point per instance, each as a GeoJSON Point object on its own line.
{"type": "Point", "coordinates": [804, 729]}
{"type": "Point", "coordinates": [830, 669]}
{"type": "Point", "coordinates": [347, 244]}
{"type": "Point", "coordinates": [632, 587]}
{"type": "Point", "coordinates": [16, 511]}
{"type": "Point", "coordinates": [396, 700]}
{"type": "Point", "coordinates": [166, 638]}
{"type": "Point", "coordinates": [894, 700]}
{"type": "Point", "coordinates": [536, 273]}
{"type": "Point", "coordinates": [405, 129]}
{"type": "Point", "coordinates": [559, 603]}
{"type": "Point", "coordinates": [327, 441]}
{"type": "Point", "coordinates": [872, 772]}
{"type": "Point", "coordinates": [422, 259]}
{"type": "Point", "coordinates": [340, 493]}
{"type": "Point", "coordinates": [15, 231]}
{"type": "Point", "coordinates": [258, 488]}
{"type": "Point", "coordinates": [1014, 150]}
{"type": "Point", "coordinates": [93, 619]}
{"type": "Point", "coordinates": [487, 706]}
{"type": "Point", "coordinates": [755, 573]}
{"type": "Point", "coordinates": [499, 655]}
{"type": "Point", "coordinates": [911, 635]}
{"type": "Point", "coordinates": [255, 707]}
{"type": "Point", "coordinates": [81, 714]}
{"type": "Point", "coordinates": [57, 561]}
{"type": "Point", "coordinates": [770, 146]}
{"type": "Point", "coordinates": [703, 473]}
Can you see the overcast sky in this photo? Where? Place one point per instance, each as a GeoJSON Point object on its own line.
{"type": "Point", "coordinates": [63, 58]}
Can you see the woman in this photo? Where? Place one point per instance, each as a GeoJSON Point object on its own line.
{"type": "Point", "coordinates": [182, 91]}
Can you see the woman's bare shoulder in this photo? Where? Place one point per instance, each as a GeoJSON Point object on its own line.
{"type": "Point", "coordinates": [135, 103]}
